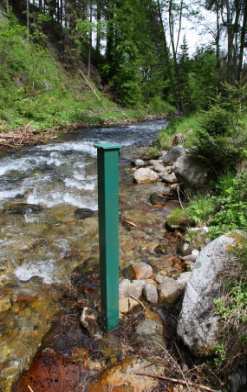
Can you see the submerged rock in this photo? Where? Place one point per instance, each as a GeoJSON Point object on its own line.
{"type": "Point", "coordinates": [84, 213]}
{"type": "Point", "coordinates": [15, 208]}
{"type": "Point", "coordinates": [5, 303]}
{"type": "Point", "coordinates": [145, 176]}
{"type": "Point", "coordinates": [198, 324]}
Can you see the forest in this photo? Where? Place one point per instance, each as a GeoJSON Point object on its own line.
{"type": "Point", "coordinates": [166, 80]}
{"type": "Point", "coordinates": [139, 49]}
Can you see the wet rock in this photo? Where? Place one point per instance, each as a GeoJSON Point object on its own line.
{"type": "Point", "coordinates": [150, 332]}
{"type": "Point", "coordinates": [198, 324]}
{"type": "Point", "coordinates": [141, 270]}
{"type": "Point", "coordinates": [124, 377]}
{"type": "Point", "coordinates": [169, 290]}
{"type": "Point", "coordinates": [151, 293]}
{"type": "Point", "coordinates": [84, 213]}
{"type": "Point", "coordinates": [24, 295]}
{"type": "Point", "coordinates": [14, 208]}
{"type": "Point", "coordinates": [183, 279]}
{"type": "Point", "coordinates": [145, 176]}
{"type": "Point", "coordinates": [173, 154]}
{"type": "Point", "coordinates": [129, 288]}
{"type": "Point", "coordinates": [191, 172]}
{"type": "Point", "coordinates": [158, 199]}
{"type": "Point", "coordinates": [139, 163]}
{"type": "Point", "coordinates": [52, 372]}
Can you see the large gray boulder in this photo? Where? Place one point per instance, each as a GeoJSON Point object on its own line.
{"type": "Point", "coordinates": [173, 154]}
{"type": "Point", "coordinates": [191, 172]}
{"type": "Point", "coordinates": [198, 325]}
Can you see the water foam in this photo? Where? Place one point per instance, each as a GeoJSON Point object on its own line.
{"type": "Point", "coordinates": [42, 268]}
{"type": "Point", "coordinates": [86, 147]}
{"type": "Point", "coordinates": [52, 199]}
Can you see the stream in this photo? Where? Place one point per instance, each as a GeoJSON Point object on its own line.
{"type": "Point", "coordinates": [44, 236]}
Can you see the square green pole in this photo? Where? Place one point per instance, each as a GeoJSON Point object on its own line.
{"type": "Point", "coordinates": [108, 197]}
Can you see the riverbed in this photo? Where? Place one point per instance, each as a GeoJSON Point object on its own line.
{"type": "Point", "coordinates": [45, 234]}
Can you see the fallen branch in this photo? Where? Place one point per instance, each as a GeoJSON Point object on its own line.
{"type": "Point", "coordinates": [179, 197]}
{"type": "Point", "coordinates": [177, 381]}
{"type": "Point", "coordinates": [30, 389]}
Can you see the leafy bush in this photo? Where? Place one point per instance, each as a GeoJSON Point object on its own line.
{"type": "Point", "coordinates": [220, 140]}
{"type": "Point", "coordinates": [231, 205]}
{"type": "Point", "coordinates": [201, 209]}
{"type": "Point", "coordinates": [224, 211]}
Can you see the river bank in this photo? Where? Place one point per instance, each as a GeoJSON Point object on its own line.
{"type": "Point", "coordinates": [27, 136]}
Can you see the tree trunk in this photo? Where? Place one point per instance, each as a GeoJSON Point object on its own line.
{"type": "Point", "coordinates": [98, 39]}
{"type": "Point", "coordinates": [242, 41]}
{"type": "Point", "coordinates": [28, 18]}
{"type": "Point", "coordinates": [90, 38]}
{"type": "Point", "coordinates": [217, 40]}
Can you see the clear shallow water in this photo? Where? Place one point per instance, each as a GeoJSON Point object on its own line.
{"type": "Point", "coordinates": [41, 246]}
{"type": "Point", "coordinates": [65, 172]}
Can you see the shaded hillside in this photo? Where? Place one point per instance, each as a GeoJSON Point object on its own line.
{"type": "Point", "coordinates": [36, 89]}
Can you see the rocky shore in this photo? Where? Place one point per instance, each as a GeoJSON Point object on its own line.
{"type": "Point", "coordinates": [167, 291]}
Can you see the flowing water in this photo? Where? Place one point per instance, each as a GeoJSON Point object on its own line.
{"type": "Point", "coordinates": [43, 237]}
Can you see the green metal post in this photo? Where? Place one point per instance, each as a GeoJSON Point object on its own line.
{"type": "Point", "coordinates": [108, 197]}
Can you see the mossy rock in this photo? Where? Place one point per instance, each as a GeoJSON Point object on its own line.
{"type": "Point", "coordinates": [179, 219]}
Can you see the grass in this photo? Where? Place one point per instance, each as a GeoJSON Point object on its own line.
{"type": "Point", "coordinates": [36, 90]}
{"type": "Point", "coordinates": [187, 126]}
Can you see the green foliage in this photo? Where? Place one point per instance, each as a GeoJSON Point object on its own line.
{"type": "Point", "coordinates": [230, 205]}
{"type": "Point", "coordinates": [135, 65]}
{"type": "Point", "coordinates": [201, 209]}
{"type": "Point", "coordinates": [224, 211]}
{"type": "Point", "coordinates": [231, 308]}
{"type": "Point", "coordinates": [185, 125]}
{"type": "Point", "coordinates": [179, 217]}
{"type": "Point", "coordinates": [220, 140]}
{"type": "Point", "coordinates": [158, 105]}
{"type": "Point", "coordinates": [203, 79]}
{"type": "Point", "coordinates": [36, 90]}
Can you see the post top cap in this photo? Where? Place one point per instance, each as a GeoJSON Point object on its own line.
{"type": "Point", "coordinates": [107, 146]}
